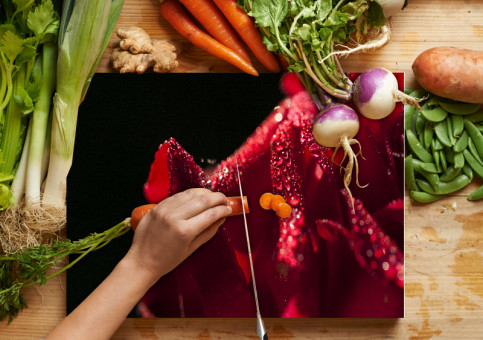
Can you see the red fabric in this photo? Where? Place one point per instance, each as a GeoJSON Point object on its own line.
{"type": "Point", "coordinates": [324, 260]}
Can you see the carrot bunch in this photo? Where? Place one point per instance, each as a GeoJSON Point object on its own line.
{"type": "Point", "coordinates": [225, 23]}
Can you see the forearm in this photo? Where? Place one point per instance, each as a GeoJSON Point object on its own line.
{"type": "Point", "coordinates": [103, 311]}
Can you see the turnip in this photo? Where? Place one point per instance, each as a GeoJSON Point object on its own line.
{"type": "Point", "coordinates": [391, 7]}
{"type": "Point", "coordinates": [335, 127]}
{"type": "Point", "coordinates": [375, 94]}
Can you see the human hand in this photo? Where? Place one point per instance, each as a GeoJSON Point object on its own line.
{"type": "Point", "coordinates": [175, 228]}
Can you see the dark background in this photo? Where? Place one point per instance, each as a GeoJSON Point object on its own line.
{"type": "Point", "coordinates": [121, 123]}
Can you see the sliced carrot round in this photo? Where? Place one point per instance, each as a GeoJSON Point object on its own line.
{"type": "Point", "coordinates": [275, 201]}
{"type": "Point", "coordinates": [283, 210]}
{"type": "Point", "coordinates": [265, 200]}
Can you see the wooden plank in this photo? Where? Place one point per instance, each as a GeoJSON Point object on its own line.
{"type": "Point", "coordinates": [443, 241]}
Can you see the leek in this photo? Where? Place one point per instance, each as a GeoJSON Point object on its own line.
{"type": "Point", "coordinates": [85, 28]}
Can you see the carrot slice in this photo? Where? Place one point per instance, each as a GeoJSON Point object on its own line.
{"type": "Point", "coordinates": [275, 201]}
{"type": "Point", "coordinates": [177, 16]}
{"type": "Point", "coordinates": [234, 202]}
{"type": "Point", "coordinates": [210, 17]}
{"type": "Point", "coordinates": [265, 200]}
{"type": "Point", "coordinates": [236, 205]}
{"type": "Point", "coordinates": [283, 210]}
{"type": "Point", "coordinates": [245, 27]}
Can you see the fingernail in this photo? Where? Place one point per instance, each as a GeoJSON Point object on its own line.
{"type": "Point", "coordinates": [230, 209]}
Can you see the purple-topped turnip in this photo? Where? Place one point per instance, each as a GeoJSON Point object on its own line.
{"type": "Point", "coordinates": [335, 127]}
{"type": "Point", "coordinates": [375, 93]}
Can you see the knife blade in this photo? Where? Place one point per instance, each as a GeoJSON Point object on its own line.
{"type": "Point", "coordinates": [260, 326]}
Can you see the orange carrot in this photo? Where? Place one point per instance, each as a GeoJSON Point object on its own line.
{"type": "Point", "coordinates": [275, 201]}
{"type": "Point", "coordinates": [236, 205]}
{"type": "Point", "coordinates": [210, 17]}
{"type": "Point", "coordinates": [138, 213]}
{"type": "Point", "coordinates": [177, 16]}
{"type": "Point", "coordinates": [265, 200]}
{"type": "Point", "coordinates": [283, 210]}
{"type": "Point", "coordinates": [245, 27]}
{"type": "Point", "coordinates": [234, 202]}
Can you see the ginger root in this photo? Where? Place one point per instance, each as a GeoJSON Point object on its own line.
{"type": "Point", "coordinates": [132, 54]}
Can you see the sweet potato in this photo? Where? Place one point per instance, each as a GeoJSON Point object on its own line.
{"type": "Point", "coordinates": [451, 72]}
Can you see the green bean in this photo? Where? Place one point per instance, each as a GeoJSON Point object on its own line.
{"type": "Point", "coordinates": [428, 135]}
{"type": "Point", "coordinates": [468, 171]}
{"type": "Point", "coordinates": [476, 195]}
{"type": "Point", "coordinates": [458, 124]}
{"type": "Point", "coordinates": [459, 160]}
{"type": "Point", "coordinates": [436, 144]}
{"type": "Point", "coordinates": [449, 126]}
{"type": "Point", "coordinates": [430, 177]}
{"type": "Point", "coordinates": [475, 117]}
{"type": "Point", "coordinates": [442, 159]}
{"type": "Point", "coordinates": [409, 117]}
{"type": "Point", "coordinates": [474, 152]}
{"type": "Point", "coordinates": [444, 188]}
{"type": "Point", "coordinates": [417, 148]}
{"type": "Point", "coordinates": [435, 115]}
{"type": "Point", "coordinates": [475, 135]}
{"type": "Point", "coordinates": [409, 178]}
{"type": "Point", "coordinates": [423, 197]}
{"type": "Point", "coordinates": [450, 174]}
{"type": "Point", "coordinates": [460, 108]}
{"type": "Point", "coordinates": [462, 142]}
{"type": "Point", "coordinates": [441, 130]}
{"type": "Point", "coordinates": [474, 164]}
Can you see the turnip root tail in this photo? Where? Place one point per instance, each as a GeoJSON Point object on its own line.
{"type": "Point", "coordinates": [381, 38]}
{"type": "Point", "coordinates": [352, 160]}
{"type": "Point", "coordinates": [400, 96]}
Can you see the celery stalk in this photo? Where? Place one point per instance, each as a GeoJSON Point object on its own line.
{"type": "Point", "coordinates": [81, 39]}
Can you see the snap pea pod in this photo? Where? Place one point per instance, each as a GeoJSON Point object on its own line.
{"type": "Point", "coordinates": [449, 126]}
{"type": "Point", "coordinates": [433, 101]}
{"type": "Point", "coordinates": [475, 117]}
{"type": "Point", "coordinates": [480, 128]}
{"type": "Point", "coordinates": [459, 160]}
{"type": "Point", "coordinates": [441, 130]}
{"type": "Point", "coordinates": [436, 144]}
{"type": "Point", "coordinates": [475, 135]}
{"type": "Point", "coordinates": [418, 150]}
{"type": "Point", "coordinates": [429, 167]}
{"type": "Point", "coordinates": [473, 163]}
{"type": "Point", "coordinates": [409, 117]}
{"type": "Point", "coordinates": [442, 159]}
{"type": "Point", "coordinates": [458, 124]}
{"type": "Point", "coordinates": [468, 171]}
{"type": "Point", "coordinates": [418, 94]}
{"type": "Point", "coordinates": [409, 177]}
{"type": "Point", "coordinates": [432, 178]}
{"type": "Point", "coordinates": [449, 154]}
{"type": "Point", "coordinates": [476, 195]}
{"type": "Point", "coordinates": [450, 174]}
{"type": "Point", "coordinates": [435, 115]}
{"type": "Point", "coordinates": [462, 142]}
{"type": "Point", "coordinates": [460, 108]}
{"type": "Point", "coordinates": [423, 197]}
{"type": "Point", "coordinates": [419, 123]}
{"type": "Point", "coordinates": [474, 152]}
{"type": "Point", "coordinates": [428, 135]}
{"type": "Point", "coordinates": [436, 157]}
{"type": "Point", "coordinates": [444, 188]}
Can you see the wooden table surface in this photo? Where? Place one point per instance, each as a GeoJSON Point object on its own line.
{"type": "Point", "coordinates": [443, 241]}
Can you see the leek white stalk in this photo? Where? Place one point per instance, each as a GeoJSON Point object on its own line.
{"type": "Point", "coordinates": [80, 44]}
{"type": "Point", "coordinates": [39, 123]}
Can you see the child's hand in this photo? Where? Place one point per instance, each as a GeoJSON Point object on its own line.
{"type": "Point", "coordinates": [175, 228]}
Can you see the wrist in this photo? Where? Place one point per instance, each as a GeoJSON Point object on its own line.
{"type": "Point", "coordinates": [134, 264]}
